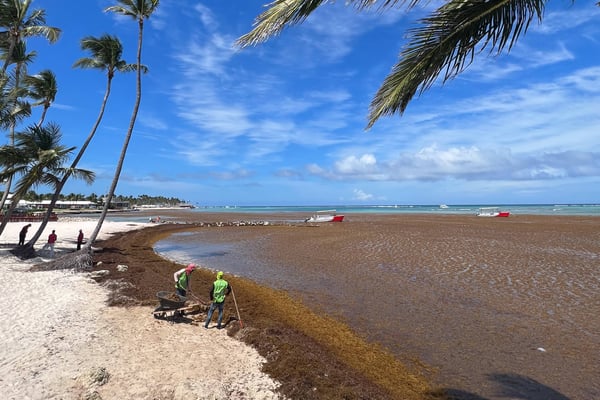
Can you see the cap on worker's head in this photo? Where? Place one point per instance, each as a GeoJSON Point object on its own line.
{"type": "Point", "coordinates": [219, 274]}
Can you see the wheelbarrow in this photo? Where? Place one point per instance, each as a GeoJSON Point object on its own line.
{"type": "Point", "coordinates": [171, 305]}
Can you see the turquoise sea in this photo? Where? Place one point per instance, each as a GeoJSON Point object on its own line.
{"type": "Point", "coordinates": [516, 209]}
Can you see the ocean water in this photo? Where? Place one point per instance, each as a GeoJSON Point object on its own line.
{"type": "Point", "coordinates": [523, 209]}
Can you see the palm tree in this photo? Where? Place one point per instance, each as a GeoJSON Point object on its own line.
{"type": "Point", "coordinates": [38, 158]}
{"type": "Point", "coordinates": [18, 24]}
{"type": "Point", "coordinates": [106, 54]}
{"type": "Point", "coordinates": [12, 108]}
{"type": "Point", "coordinates": [21, 58]}
{"type": "Point", "coordinates": [139, 10]}
{"type": "Point", "coordinates": [42, 89]}
{"type": "Point", "coordinates": [445, 43]}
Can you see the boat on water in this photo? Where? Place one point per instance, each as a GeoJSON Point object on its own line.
{"type": "Point", "coordinates": [492, 212]}
{"type": "Point", "coordinates": [325, 216]}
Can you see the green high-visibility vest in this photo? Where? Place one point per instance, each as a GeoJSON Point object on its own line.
{"type": "Point", "coordinates": [182, 283]}
{"type": "Point", "coordinates": [219, 290]}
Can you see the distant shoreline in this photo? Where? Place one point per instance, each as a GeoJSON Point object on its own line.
{"type": "Point", "coordinates": [441, 209]}
{"type": "Point", "coordinates": [303, 212]}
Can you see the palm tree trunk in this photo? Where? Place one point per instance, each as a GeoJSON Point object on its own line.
{"type": "Point", "coordinates": [6, 192]}
{"type": "Point", "coordinates": [11, 48]}
{"type": "Point", "coordinates": [43, 116]}
{"type": "Point", "coordinates": [8, 213]}
{"type": "Point", "coordinates": [136, 107]}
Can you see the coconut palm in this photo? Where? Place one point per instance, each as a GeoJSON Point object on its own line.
{"type": "Point", "coordinates": [21, 58]}
{"type": "Point", "coordinates": [17, 23]}
{"type": "Point", "coordinates": [37, 157]}
{"type": "Point", "coordinates": [42, 88]}
{"type": "Point", "coordinates": [12, 108]}
{"type": "Point", "coordinates": [443, 45]}
{"type": "Point", "coordinates": [106, 53]}
{"type": "Point", "coordinates": [139, 10]}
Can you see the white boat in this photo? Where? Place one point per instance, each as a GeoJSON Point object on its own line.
{"type": "Point", "coordinates": [325, 216]}
{"type": "Point", "coordinates": [492, 212]}
{"type": "Point", "coordinates": [443, 206]}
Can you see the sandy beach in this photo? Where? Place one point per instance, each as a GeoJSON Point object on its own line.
{"type": "Point", "coordinates": [474, 308]}
{"type": "Point", "coordinates": [60, 340]}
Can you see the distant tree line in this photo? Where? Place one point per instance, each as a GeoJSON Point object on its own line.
{"type": "Point", "coordinates": [99, 199]}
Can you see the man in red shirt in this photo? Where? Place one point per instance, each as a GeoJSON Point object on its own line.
{"type": "Point", "coordinates": [51, 241]}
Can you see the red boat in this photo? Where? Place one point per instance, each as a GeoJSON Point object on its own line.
{"type": "Point", "coordinates": [325, 216]}
{"type": "Point", "coordinates": [492, 212]}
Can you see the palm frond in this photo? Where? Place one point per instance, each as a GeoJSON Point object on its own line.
{"type": "Point", "coordinates": [125, 67]}
{"type": "Point", "coordinates": [42, 87]}
{"type": "Point", "coordinates": [106, 55]}
{"type": "Point", "coordinates": [51, 34]}
{"type": "Point", "coordinates": [9, 156]}
{"type": "Point", "coordinates": [448, 41]}
{"type": "Point", "coordinates": [284, 13]}
{"type": "Point", "coordinates": [37, 17]}
{"type": "Point", "coordinates": [86, 175]}
{"type": "Point", "coordinates": [281, 13]}
{"type": "Point", "coordinates": [135, 9]}
{"type": "Point", "coordinates": [89, 63]}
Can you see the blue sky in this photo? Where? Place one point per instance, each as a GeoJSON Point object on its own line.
{"type": "Point", "coordinates": [283, 123]}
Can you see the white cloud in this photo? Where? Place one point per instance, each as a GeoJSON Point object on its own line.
{"type": "Point", "coordinates": [464, 163]}
{"type": "Point", "coordinates": [207, 17]}
{"type": "Point", "coordinates": [567, 16]}
{"type": "Point", "coordinates": [356, 165]}
{"type": "Point", "coordinates": [360, 195]}
{"type": "Point", "coordinates": [153, 122]}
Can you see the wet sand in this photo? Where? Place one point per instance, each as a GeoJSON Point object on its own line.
{"type": "Point", "coordinates": [501, 307]}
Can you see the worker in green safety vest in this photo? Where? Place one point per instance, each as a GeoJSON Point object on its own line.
{"type": "Point", "coordinates": [183, 279]}
{"type": "Point", "coordinates": [219, 290]}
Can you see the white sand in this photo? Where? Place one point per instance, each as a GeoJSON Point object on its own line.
{"type": "Point", "coordinates": [57, 337]}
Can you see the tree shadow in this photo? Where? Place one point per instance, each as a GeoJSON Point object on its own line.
{"type": "Point", "coordinates": [455, 394]}
{"type": "Point", "coordinates": [510, 386]}
{"type": "Point", "coordinates": [521, 387]}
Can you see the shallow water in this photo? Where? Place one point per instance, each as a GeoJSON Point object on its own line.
{"type": "Point", "coordinates": [501, 308]}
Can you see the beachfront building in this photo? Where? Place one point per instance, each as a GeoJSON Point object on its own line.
{"type": "Point", "coordinates": [60, 204]}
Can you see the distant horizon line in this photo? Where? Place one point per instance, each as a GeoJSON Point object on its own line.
{"type": "Point", "coordinates": [406, 205]}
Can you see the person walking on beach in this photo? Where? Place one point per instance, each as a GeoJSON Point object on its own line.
{"type": "Point", "coordinates": [219, 290]}
{"type": "Point", "coordinates": [50, 244]}
{"type": "Point", "coordinates": [183, 282]}
{"type": "Point", "coordinates": [22, 235]}
{"type": "Point", "coordinates": [79, 239]}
